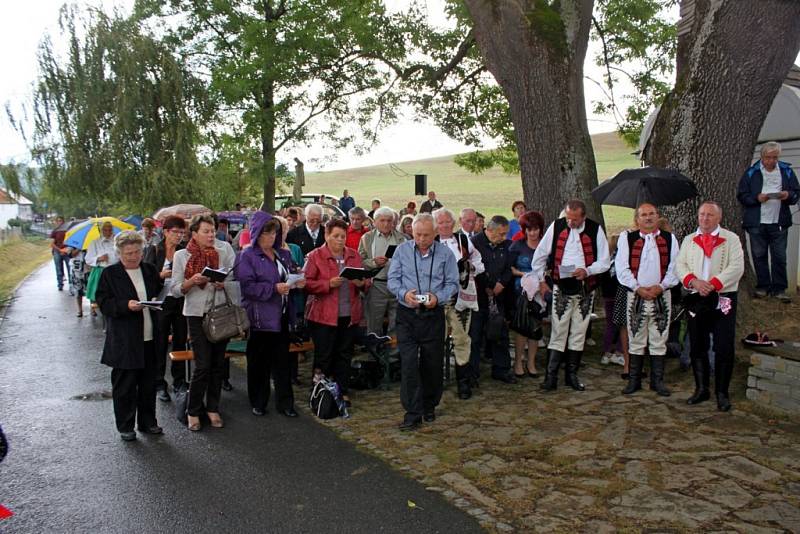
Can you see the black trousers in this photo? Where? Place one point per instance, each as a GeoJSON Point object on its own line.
{"type": "Point", "coordinates": [723, 327]}
{"type": "Point", "coordinates": [333, 350]}
{"type": "Point", "coordinates": [170, 319]}
{"type": "Point", "coordinates": [134, 393]}
{"type": "Point", "coordinates": [420, 340]}
{"type": "Point", "coordinates": [268, 356]}
{"type": "Point", "coordinates": [209, 362]}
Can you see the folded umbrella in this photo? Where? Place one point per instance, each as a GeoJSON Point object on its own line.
{"type": "Point", "coordinates": [632, 187]}
{"type": "Point", "coordinates": [80, 235]}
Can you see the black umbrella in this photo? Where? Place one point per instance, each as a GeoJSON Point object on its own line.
{"type": "Point", "coordinates": [631, 187]}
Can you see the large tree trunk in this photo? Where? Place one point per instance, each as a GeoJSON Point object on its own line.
{"type": "Point", "coordinates": [732, 59]}
{"type": "Point", "coordinates": [536, 54]}
{"type": "Point", "coordinates": [268, 151]}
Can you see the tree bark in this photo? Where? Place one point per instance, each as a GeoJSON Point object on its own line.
{"type": "Point", "coordinates": [730, 67]}
{"type": "Point", "coordinates": [536, 54]}
{"type": "Point", "coordinates": [268, 151]}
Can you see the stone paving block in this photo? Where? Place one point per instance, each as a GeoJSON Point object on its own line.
{"type": "Point", "coordinates": [752, 394]}
{"type": "Point", "coordinates": [636, 471]}
{"type": "Point", "coordinates": [761, 373]}
{"type": "Point", "coordinates": [749, 528]}
{"type": "Point", "coordinates": [782, 513]}
{"type": "Point", "coordinates": [465, 487]}
{"type": "Point", "coordinates": [743, 469]}
{"type": "Point", "coordinates": [752, 381]}
{"type": "Point", "coordinates": [781, 389]}
{"type": "Point", "coordinates": [644, 503]}
{"type": "Point", "coordinates": [793, 369]}
{"type": "Point", "coordinates": [727, 493]}
{"type": "Point", "coordinates": [788, 404]}
{"type": "Point", "coordinates": [678, 477]}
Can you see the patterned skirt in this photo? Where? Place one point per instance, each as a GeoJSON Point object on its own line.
{"type": "Point", "coordinates": [620, 317]}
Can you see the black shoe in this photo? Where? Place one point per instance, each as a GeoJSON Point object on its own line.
{"type": "Point", "coordinates": [520, 376]}
{"type": "Point", "coordinates": [163, 396]}
{"type": "Point", "coordinates": [507, 379]}
{"type": "Point", "coordinates": [635, 375]}
{"type": "Point", "coordinates": [128, 436]}
{"type": "Point", "coordinates": [259, 412]}
{"type": "Point", "coordinates": [723, 402]}
{"type": "Point", "coordinates": [60, 288]}
{"type": "Point", "coordinates": [155, 429]}
{"type": "Point", "coordinates": [429, 417]}
{"type": "Point", "coordinates": [410, 425]}
{"type": "Point", "coordinates": [571, 375]}
{"type": "Point", "coordinates": [473, 382]}
{"type": "Point", "coordinates": [700, 395]}
{"type": "Point", "coordinates": [464, 394]}
{"type": "Point", "coordinates": [657, 376]}
{"type": "Point", "coordinates": [289, 412]}
{"type": "Point", "coordinates": [226, 385]}
{"type": "Point", "coordinates": [533, 375]}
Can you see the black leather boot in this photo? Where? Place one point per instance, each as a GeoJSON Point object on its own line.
{"type": "Point", "coordinates": [462, 378]}
{"type": "Point", "coordinates": [634, 374]}
{"type": "Point", "coordinates": [723, 402]}
{"type": "Point", "coordinates": [553, 365]}
{"type": "Point", "coordinates": [573, 364]}
{"type": "Point", "coordinates": [701, 378]}
{"type": "Point", "coordinates": [657, 376]}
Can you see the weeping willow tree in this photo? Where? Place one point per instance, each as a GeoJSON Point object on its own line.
{"type": "Point", "coordinates": [116, 118]}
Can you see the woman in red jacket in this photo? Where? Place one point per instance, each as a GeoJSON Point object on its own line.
{"type": "Point", "coordinates": [333, 309]}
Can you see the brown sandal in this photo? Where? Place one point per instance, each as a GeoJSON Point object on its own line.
{"type": "Point", "coordinates": [194, 423]}
{"type": "Point", "coordinates": [216, 420]}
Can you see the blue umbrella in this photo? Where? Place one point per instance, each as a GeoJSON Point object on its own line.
{"type": "Point", "coordinates": [135, 220]}
{"type": "Point", "coordinates": [80, 235]}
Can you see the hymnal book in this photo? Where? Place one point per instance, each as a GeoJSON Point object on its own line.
{"type": "Point", "coordinates": [566, 271]}
{"type": "Point", "coordinates": [152, 304]}
{"type": "Point", "coordinates": [356, 273]}
{"type": "Point", "coordinates": [390, 251]}
{"type": "Point", "coordinates": [215, 275]}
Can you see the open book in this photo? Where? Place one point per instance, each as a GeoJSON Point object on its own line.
{"type": "Point", "coordinates": [357, 273]}
{"type": "Point", "coordinates": [152, 304]}
{"type": "Point", "coordinates": [215, 275]}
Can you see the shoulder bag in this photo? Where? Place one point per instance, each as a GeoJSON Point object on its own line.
{"type": "Point", "coordinates": [225, 321]}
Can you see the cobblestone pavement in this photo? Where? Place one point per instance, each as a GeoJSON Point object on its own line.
{"type": "Point", "coordinates": [523, 460]}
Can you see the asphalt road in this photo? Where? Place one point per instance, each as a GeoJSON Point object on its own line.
{"type": "Point", "coordinates": [68, 471]}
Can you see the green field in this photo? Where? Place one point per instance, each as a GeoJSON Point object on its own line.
{"type": "Point", "coordinates": [490, 193]}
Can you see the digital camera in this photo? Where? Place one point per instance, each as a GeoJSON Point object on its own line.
{"type": "Point", "coordinates": [423, 299]}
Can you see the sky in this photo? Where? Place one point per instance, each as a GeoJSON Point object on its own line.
{"type": "Point", "coordinates": [23, 25]}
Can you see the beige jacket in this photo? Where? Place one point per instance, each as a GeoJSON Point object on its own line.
{"type": "Point", "coordinates": [369, 249]}
{"type": "Point", "coordinates": [727, 262]}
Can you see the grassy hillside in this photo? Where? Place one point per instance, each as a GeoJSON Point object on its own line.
{"type": "Point", "coordinates": [490, 193]}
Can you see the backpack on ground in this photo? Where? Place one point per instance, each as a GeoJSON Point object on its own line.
{"type": "Point", "coordinates": [323, 402]}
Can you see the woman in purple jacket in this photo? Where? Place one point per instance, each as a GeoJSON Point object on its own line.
{"type": "Point", "coordinates": [263, 271]}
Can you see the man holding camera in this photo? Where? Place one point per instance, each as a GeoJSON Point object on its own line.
{"type": "Point", "coordinates": [423, 276]}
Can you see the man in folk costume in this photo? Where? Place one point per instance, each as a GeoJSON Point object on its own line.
{"type": "Point", "coordinates": [575, 249]}
{"type": "Point", "coordinates": [645, 265]}
{"type": "Point", "coordinates": [711, 263]}
{"type": "Point", "coordinates": [458, 312]}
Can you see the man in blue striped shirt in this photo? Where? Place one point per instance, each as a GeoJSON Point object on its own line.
{"type": "Point", "coordinates": [423, 276]}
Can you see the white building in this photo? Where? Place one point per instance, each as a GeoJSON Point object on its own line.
{"type": "Point", "coordinates": [12, 207]}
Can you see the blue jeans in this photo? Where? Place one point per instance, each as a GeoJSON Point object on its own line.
{"type": "Point", "coordinates": [768, 242]}
{"type": "Point", "coordinates": [60, 260]}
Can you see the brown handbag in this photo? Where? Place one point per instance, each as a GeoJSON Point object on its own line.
{"type": "Point", "coordinates": [225, 321]}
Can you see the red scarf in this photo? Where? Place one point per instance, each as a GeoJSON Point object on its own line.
{"type": "Point", "coordinates": [199, 259]}
{"type": "Point", "coordinates": [708, 242]}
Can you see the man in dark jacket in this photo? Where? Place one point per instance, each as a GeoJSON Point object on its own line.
{"type": "Point", "coordinates": [493, 287]}
{"type": "Point", "coordinates": [310, 235]}
{"type": "Point", "coordinates": [346, 203]}
{"type": "Point", "coordinates": [766, 191]}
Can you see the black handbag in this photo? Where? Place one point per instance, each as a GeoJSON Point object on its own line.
{"type": "Point", "coordinates": [495, 324]}
{"type": "Point", "coordinates": [527, 317]}
{"type": "Point", "coordinates": [225, 320]}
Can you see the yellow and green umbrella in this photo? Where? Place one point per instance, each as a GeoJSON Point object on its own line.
{"type": "Point", "coordinates": [80, 235]}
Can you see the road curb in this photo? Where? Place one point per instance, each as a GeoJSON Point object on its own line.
{"type": "Point", "coordinates": [13, 294]}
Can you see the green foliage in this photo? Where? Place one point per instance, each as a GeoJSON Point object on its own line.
{"type": "Point", "coordinates": [116, 118]}
{"type": "Point", "coordinates": [639, 43]}
{"type": "Point", "coordinates": [287, 72]}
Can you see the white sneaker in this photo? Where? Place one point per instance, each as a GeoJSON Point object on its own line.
{"type": "Point", "coordinates": [605, 359]}
{"type": "Point", "coordinates": [618, 359]}
{"type": "Point", "coordinates": [591, 342]}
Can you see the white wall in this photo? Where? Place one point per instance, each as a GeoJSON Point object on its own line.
{"type": "Point", "coordinates": [8, 211]}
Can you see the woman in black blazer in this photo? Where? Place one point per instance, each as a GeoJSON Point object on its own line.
{"type": "Point", "coordinates": [130, 333]}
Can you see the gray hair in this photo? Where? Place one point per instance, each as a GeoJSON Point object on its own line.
{"type": "Point", "coordinates": [383, 211]}
{"type": "Point", "coordinates": [770, 146]}
{"type": "Point", "coordinates": [423, 217]}
{"type": "Point", "coordinates": [128, 237]}
{"type": "Point", "coordinates": [711, 203]}
{"type": "Point", "coordinates": [357, 211]}
{"type": "Point", "coordinates": [496, 222]}
{"type": "Point", "coordinates": [467, 210]}
{"type": "Point", "coordinates": [313, 207]}
{"type": "Point", "coordinates": [443, 211]}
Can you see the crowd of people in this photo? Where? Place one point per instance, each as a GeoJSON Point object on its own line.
{"type": "Point", "coordinates": [427, 276]}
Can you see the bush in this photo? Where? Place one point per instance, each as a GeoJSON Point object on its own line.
{"type": "Point", "coordinates": [25, 226]}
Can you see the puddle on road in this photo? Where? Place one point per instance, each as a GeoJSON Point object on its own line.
{"type": "Point", "coordinates": [95, 396]}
